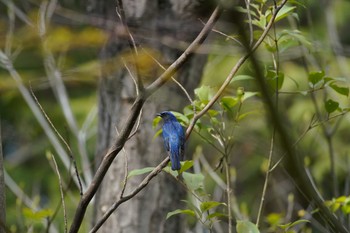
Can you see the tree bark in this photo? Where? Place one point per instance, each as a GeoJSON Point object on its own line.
{"type": "Point", "coordinates": [2, 190]}
{"type": "Point", "coordinates": [152, 23]}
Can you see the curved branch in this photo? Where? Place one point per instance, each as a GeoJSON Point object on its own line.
{"type": "Point", "coordinates": [129, 124]}
{"type": "Point", "coordinates": [143, 184]}
{"type": "Point", "coordinates": [235, 69]}
{"type": "Point", "coordinates": [171, 70]}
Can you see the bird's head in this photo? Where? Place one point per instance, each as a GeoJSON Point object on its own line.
{"type": "Point", "coordinates": [166, 115]}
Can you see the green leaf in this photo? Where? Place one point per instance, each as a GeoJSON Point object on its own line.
{"type": "Point", "coordinates": [204, 93]}
{"type": "Point", "coordinates": [228, 102]}
{"type": "Point", "coordinates": [315, 78]}
{"type": "Point", "coordinates": [241, 77]}
{"type": "Point", "coordinates": [246, 227]}
{"type": "Point", "coordinates": [179, 211]}
{"type": "Point", "coordinates": [244, 115]}
{"type": "Point", "coordinates": [346, 208]}
{"type": "Point", "coordinates": [331, 105]}
{"type": "Point", "coordinates": [181, 118]}
{"type": "Point", "coordinates": [340, 90]}
{"type": "Point", "coordinates": [216, 215]}
{"type": "Point", "coordinates": [207, 205]}
{"type": "Point", "coordinates": [141, 171]}
{"type": "Point", "coordinates": [284, 12]}
{"type": "Point", "coordinates": [274, 218]}
{"type": "Point", "coordinates": [193, 181]}
{"type": "Point", "coordinates": [271, 76]}
{"type": "Point", "coordinates": [156, 121]}
{"type": "Point", "coordinates": [292, 224]}
{"type": "Point", "coordinates": [186, 165]}
{"type": "Point", "coordinates": [37, 215]}
{"type": "Point", "coordinates": [249, 94]}
{"type": "Point", "coordinates": [157, 134]}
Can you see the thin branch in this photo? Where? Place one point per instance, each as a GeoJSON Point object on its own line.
{"type": "Point", "coordinates": [143, 184]}
{"type": "Point", "coordinates": [171, 70]}
{"type": "Point", "coordinates": [173, 79]}
{"type": "Point", "coordinates": [275, 58]}
{"type": "Point", "coordinates": [62, 193]}
{"type": "Point", "coordinates": [228, 193]}
{"type": "Point", "coordinates": [224, 34]}
{"type": "Point", "coordinates": [6, 62]}
{"type": "Point", "coordinates": [56, 82]}
{"type": "Point", "coordinates": [267, 175]}
{"type": "Point", "coordinates": [62, 139]}
{"type": "Point", "coordinates": [130, 122]}
{"type": "Point", "coordinates": [132, 43]}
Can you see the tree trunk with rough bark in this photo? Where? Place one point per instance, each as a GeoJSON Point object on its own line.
{"type": "Point", "coordinates": [2, 190]}
{"type": "Point", "coordinates": [157, 26]}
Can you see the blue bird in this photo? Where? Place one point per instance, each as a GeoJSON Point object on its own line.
{"type": "Point", "coordinates": [174, 138]}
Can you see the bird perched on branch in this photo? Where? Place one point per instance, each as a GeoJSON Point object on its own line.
{"type": "Point", "coordinates": [174, 138]}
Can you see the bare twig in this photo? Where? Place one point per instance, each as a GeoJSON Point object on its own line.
{"type": "Point", "coordinates": [228, 193]}
{"type": "Point", "coordinates": [132, 43]}
{"type": "Point", "coordinates": [171, 70]}
{"type": "Point", "coordinates": [173, 79]}
{"type": "Point", "coordinates": [267, 175]}
{"type": "Point", "coordinates": [6, 62]}
{"type": "Point", "coordinates": [275, 58]}
{"type": "Point", "coordinates": [61, 192]}
{"type": "Point", "coordinates": [56, 82]}
{"type": "Point", "coordinates": [62, 139]}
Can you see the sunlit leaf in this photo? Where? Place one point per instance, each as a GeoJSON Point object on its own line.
{"type": "Point", "coordinates": [246, 227]}
{"type": "Point", "coordinates": [193, 181]}
{"type": "Point", "coordinates": [179, 211]}
{"type": "Point", "coordinates": [157, 134]}
{"type": "Point", "coordinates": [181, 118]}
{"type": "Point", "coordinates": [186, 165]}
{"type": "Point", "coordinates": [216, 215]}
{"type": "Point", "coordinates": [228, 102]}
{"type": "Point", "coordinates": [207, 205]}
{"type": "Point", "coordinates": [274, 218]}
{"type": "Point", "coordinates": [284, 12]}
{"type": "Point", "coordinates": [340, 90]}
{"type": "Point", "coordinates": [241, 77]}
{"type": "Point", "coordinates": [37, 215]}
{"type": "Point", "coordinates": [204, 93]}
{"type": "Point", "coordinates": [249, 94]}
{"type": "Point", "coordinates": [289, 225]}
{"type": "Point", "coordinates": [141, 171]}
{"type": "Point", "coordinates": [156, 121]}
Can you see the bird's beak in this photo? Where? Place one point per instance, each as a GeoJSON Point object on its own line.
{"type": "Point", "coordinates": [158, 114]}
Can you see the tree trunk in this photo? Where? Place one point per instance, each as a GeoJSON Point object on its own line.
{"type": "Point", "coordinates": [2, 190]}
{"type": "Point", "coordinates": [152, 25]}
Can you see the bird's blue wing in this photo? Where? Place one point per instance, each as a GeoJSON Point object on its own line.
{"type": "Point", "coordinates": [174, 141]}
{"type": "Point", "coordinates": [165, 134]}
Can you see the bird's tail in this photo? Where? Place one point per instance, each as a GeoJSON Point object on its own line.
{"type": "Point", "coordinates": [175, 158]}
